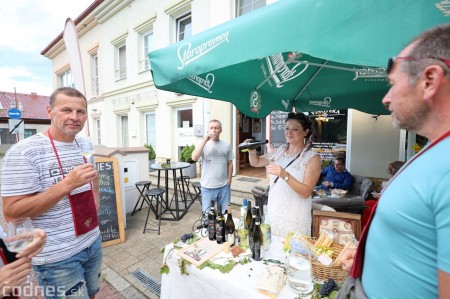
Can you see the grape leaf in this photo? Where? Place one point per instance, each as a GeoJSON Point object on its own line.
{"type": "Point", "coordinates": [164, 269]}
{"type": "Point", "coordinates": [182, 264]}
{"type": "Point", "coordinates": [333, 294]}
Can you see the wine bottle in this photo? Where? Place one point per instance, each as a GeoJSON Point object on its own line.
{"type": "Point", "coordinates": [249, 213]}
{"type": "Point", "coordinates": [242, 231]}
{"type": "Point", "coordinates": [258, 207]}
{"type": "Point", "coordinates": [246, 146]}
{"type": "Point", "coordinates": [220, 226]}
{"type": "Point", "coordinates": [229, 227]}
{"type": "Point", "coordinates": [212, 222]}
{"type": "Point", "coordinates": [252, 227]}
{"type": "Point", "coordinates": [257, 240]}
{"type": "Point", "coordinates": [266, 230]}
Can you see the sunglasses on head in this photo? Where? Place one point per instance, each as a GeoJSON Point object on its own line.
{"type": "Point", "coordinates": [393, 59]}
{"type": "Point", "coordinates": [295, 115]}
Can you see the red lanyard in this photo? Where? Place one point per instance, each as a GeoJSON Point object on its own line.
{"type": "Point", "coordinates": [359, 257]}
{"type": "Point", "coordinates": [57, 156]}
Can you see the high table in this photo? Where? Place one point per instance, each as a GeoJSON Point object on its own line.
{"type": "Point", "coordinates": [176, 212]}
{"type": "Point", "coordinates": [208, 283]}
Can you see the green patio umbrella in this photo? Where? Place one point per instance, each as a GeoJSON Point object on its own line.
{"type": "Point", "coordinates": [309, 54]}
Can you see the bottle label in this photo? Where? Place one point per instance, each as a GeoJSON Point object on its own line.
{"type": "Point", "coordinates": [220, 232]}
{"type": "Point", "coordinates": [267, 235]}
{"type": "Point", "coordinates": [211, 229]}
{"type": "Point", "coordinates": [230, 238]}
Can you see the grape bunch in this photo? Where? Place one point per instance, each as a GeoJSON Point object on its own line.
{"type": "Point", "coordinates": [186, 237]}
{"type": "Point", "coordinates": [327, 287]}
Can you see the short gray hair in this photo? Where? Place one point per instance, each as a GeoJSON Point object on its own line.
{"type": "Point", "coordinates": [216, 121]}
{"type": "Point", "coordinates": [68, 91]}
{"type": "Point", "coordinates": [431, 43]}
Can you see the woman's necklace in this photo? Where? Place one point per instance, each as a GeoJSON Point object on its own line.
{"type": "Point", "coordinates": [292, 154]}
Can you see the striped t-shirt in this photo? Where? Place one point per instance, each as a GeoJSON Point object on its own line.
{"type": "Point", "coordinates": [29, 167]}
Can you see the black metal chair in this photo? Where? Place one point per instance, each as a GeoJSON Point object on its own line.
{"type": "Point", "coordinates": [183, 189]}
{"type": "Point", "coordinates": [198, 192]}
{"type": "Point", "coordinates": [157, 195]}
{"type": "Point", "coordinates": [142, 187]}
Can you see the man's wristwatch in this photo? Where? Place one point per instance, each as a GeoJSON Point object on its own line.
{"type": "Point", "coordinates": [286, 178]}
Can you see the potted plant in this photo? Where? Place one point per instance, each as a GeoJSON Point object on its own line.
{"type": "Point", "coordinates": [185, 156]}
{"type": "Point", "coordinates": [151, 154]}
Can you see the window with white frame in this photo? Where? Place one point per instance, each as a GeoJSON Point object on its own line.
{"type": "Point", "coordinates": [147, 43]}
{"type": "Point", "coordinates": [184, 121]}
{"type": "Point", "coordinates": [184, 117]}
{"type": "Point", "coordinates": [184, 27]}
{"type": "Point", "coordinates": [6, 138]}
{"type": "Point", "coordinates": [246, 6]}
{"type": "Point", "coordinates": [98, 131]}
{"type": "Point", "coordinates": [121, 62]}
{"type": "Point", "coordinates": [65, 79]}
{"type": "Point", "coordinates": [150, 125]}
{"type": "Point", "coordinates": [94, 75]}
{"type": "Point", "coordinates": [124, 128]}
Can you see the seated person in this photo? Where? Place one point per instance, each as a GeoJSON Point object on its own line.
{"type": "Point", "coordinates": [392, 169]}
{"type": "Point", "coordinates": [336, 176]}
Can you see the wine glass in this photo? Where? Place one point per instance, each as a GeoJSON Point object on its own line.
{"type": "Point", "coordinates": [299, 268]}
{"type": "Point", "coordinates": [87, 149]}
{"type": "Point", "coordinates": [19, 234]}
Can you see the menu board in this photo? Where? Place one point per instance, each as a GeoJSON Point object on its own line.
{"type": "Point", "coordinates": [110, 215]}
{"type": "Point", "coordinates": [277, 120]}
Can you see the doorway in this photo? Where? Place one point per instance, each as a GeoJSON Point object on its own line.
{"type": "Point", "coordinates": [254, 128]}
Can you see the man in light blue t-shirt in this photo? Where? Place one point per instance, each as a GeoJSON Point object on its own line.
{"type": "Point", "coordinates": [407, 250]}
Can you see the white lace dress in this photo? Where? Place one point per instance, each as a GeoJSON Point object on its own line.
{"type": "Point", "coordinates": [288, 211]}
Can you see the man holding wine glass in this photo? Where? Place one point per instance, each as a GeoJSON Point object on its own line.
{"type": "Point", "coordinates": [217, 167]}
{"type": "Point", "coordinates": [45, 177]}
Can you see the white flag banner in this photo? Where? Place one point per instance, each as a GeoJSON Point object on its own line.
{"type": "Point", "coordinates": [76, 66]}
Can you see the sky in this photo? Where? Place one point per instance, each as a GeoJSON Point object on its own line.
{"type": "Point", "coordinates": [26, 28]}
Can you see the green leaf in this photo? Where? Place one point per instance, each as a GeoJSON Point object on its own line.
{"type": "Point", "coordinates": [333, 294]}
{"type": "Point", "coordinates": [164, 269]}
{"type": "Point", "coordinates": [244, 260]}
{"type": "Point", "coordinates": [163, 249]}
{"type": "Point", "coordinates": [205, 264]}
{"type": "Point", "coordinates": [182, 264]}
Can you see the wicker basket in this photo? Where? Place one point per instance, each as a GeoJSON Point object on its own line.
{"type": "Point", "coordinates": [321, 272]}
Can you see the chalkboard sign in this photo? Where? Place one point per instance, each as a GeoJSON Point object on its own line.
{"type": "Point", "coordinates": [277, 121]}
{"type": "Point", "coordinates": [110, 215]}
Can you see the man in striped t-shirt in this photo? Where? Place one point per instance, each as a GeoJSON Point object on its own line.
{"type": "Point", "coordinates": [46, 178]}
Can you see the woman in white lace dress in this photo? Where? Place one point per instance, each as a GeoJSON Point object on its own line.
{"type": "Point", "coordinates": [294, 171]}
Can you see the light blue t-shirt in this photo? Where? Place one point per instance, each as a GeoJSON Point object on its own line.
{"type": "Point", "coordinates": [409, 239]}
{"type": "Point", "coordinates": [215, 157]}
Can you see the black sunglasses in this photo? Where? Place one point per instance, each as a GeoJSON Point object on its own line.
{"type": "Point", "coordinates": [300, 116]}
{"type": "Point", "coordinates": [393, 59]}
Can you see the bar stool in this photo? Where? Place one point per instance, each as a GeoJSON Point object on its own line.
{"type": "Point", "coordinates": [157, 195]}
{"type": "Point", "coordinates": [142, 187]}
{"type": "Point", "coordinates": [183, 185]}
{"type": "Point", "coordinates": [198, 191]}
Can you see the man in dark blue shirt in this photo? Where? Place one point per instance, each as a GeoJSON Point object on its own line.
{"type": "Point", "coordinates": [336, 176]}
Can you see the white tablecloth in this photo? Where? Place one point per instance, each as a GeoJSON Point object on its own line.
{"type": "Point", "coordinates": [208, 283]}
